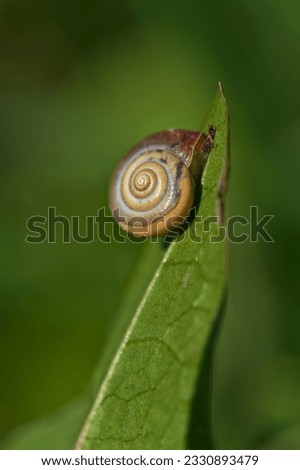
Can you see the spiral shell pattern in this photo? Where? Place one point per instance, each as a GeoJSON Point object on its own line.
{"type": "Point", "coordinates": [151, 191]}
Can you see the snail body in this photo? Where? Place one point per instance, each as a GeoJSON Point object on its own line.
{"type": "Point", "coordinates": [153, 187]}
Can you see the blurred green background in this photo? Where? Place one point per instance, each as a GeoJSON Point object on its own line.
{"type": "Point", "coordinates": [81, 82]}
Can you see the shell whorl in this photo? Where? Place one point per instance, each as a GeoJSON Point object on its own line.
{"type": "Point", "coordinates": [152, 188]}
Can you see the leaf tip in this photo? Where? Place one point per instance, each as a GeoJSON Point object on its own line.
{"type": "Point", "coordinates": [221, 94]}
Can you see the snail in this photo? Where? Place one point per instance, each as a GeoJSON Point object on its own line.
{"type": "Point", "coordinates": [153, 187]}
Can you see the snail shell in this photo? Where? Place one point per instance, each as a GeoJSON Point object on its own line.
{"type": "Point", "coordinates": [152, 189]}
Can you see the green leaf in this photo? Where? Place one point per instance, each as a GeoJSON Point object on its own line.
{"type": "Point", "coordinates": [60, 429]}
{"type": "Point", "coordinates": [157, 383]}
